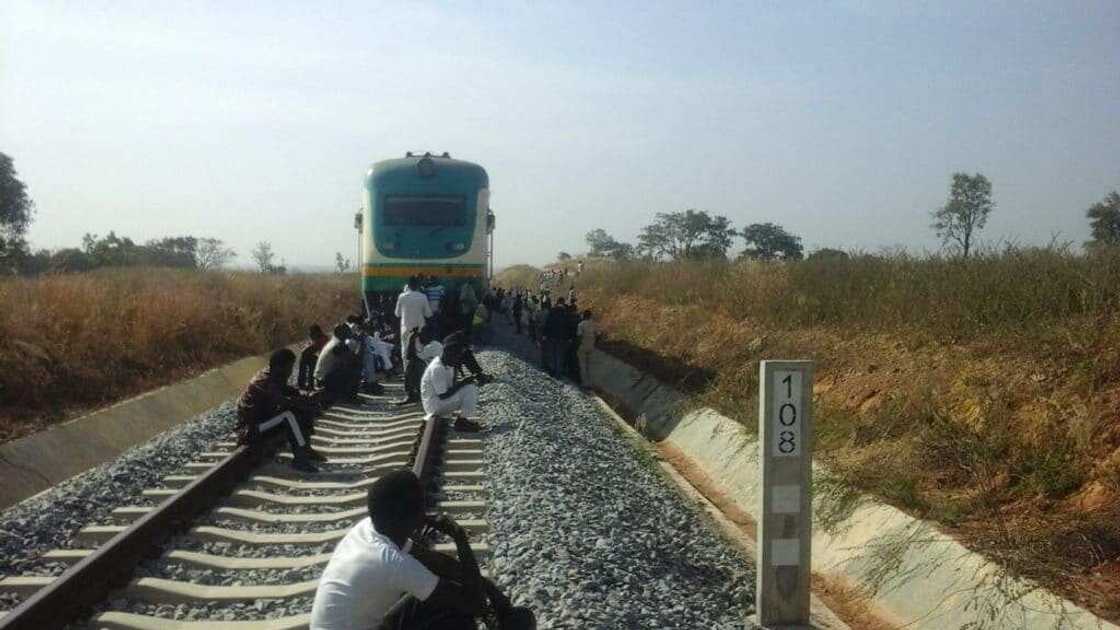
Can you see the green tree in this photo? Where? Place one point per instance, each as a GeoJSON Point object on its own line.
{"type": "Point", "coordinates": [769, 241]}
{"type": "Point", "coordinates": [970, 203]}
{"type": "Point", "coordinates": [1104, 221]}
{"type": "Point", "coordinates": [563, 256]}
{"type": "Point", "coordinates": [16, 213]}
{"type": "Point", "coordinates": [341, 263]}
{"type": "Point", "coordinates": [263, 256]}
{"type": "Point", "coordinates": [603, 244]}
{"type": "Point", "coordinates": [828, 253]}
{"type": "Point", "coordinates": [176, 251]}
{"type": "Point", "coordinates": [212, 253]}
{"type": "Point", "coordinates": [688, 235]}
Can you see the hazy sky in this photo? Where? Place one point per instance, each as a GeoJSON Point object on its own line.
{"type": "Point", "coordinates": [841, 121]}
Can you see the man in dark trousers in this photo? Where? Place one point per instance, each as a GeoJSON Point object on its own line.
{"type": "Point", "coordinates": [556, 335]}
{"type": "Point", "coordinates": [339, 370]}
{"type": "Point", "coordinates": [269, 403]}
{"type": "Point", "coordinates": [309, 357]}
{"type": "Point", "coordinates": [386, 555]}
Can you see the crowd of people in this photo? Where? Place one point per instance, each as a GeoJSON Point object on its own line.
{"type": "Point", "coordinates": [564, 336]}
{"type": "Point", "coordinates": [383, 574]}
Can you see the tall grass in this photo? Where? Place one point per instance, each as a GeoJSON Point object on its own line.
{"type": "Point", "coordinates": [1000, 291]}
{"type": "Point", "coordinates": [978, 393]}
{"type": "Point", "coordinates": [78, 340]}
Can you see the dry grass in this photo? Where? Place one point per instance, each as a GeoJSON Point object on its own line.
{"type": "Point", "coordinates": [76, 341]}
{"type": "Point", "coordinates": [981, 394]}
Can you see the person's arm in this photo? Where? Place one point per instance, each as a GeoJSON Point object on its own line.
{"type": "Point", "coordinates": [456, 386]}
{"type": "Point", "coordinates": [467, 595]}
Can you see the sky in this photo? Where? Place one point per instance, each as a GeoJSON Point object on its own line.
{"type": "Point", "coordinates": [841, 121]}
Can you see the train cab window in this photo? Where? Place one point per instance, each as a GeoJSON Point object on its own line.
{"type": "Point", "coordinates": [441, 211]}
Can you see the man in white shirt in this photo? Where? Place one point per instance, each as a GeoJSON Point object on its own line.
{"type": "Point", "coordinates": [339, 369]}
{"type": "Point", "coordinates": [441, 394]}
{"type": "Point", "coordinates": [375, 563]}
{"type": "Point", "coordinates": [413, 310]}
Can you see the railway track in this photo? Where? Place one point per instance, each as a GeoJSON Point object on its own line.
{"type": "Point", "coordinates": [236, 540]}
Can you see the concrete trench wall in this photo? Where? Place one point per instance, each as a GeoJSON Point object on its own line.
{"type": "Point", "coordinates": [34, 463]}
{"type": "Point", "coordinates": [920, 577]}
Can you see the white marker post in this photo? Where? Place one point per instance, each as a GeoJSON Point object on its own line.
{"type": "Point", "coordinates": [785, 523]}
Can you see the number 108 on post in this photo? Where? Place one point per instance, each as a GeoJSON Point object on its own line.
{"type": "Point", "coordinates": [787, 413]}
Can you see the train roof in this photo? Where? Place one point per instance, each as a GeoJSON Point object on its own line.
{"type": "Point", "coordinates": [410, 165]}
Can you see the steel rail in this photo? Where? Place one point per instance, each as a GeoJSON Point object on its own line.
{"type": "Point", "coordinates": [89, 581]}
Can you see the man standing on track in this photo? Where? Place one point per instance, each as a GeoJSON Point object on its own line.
{"type": "Point", "coordinates": [378, 560]}
{"type": "Point", "coordinates": [585, 347]}
{"type": "Point", "coordinates": [413, 310]}
{"type": "Point", "coordinates": [268, 403]}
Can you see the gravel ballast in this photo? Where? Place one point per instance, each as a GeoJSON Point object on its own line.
{"type": "Point", "coordinates": [587, 531]}
{"type": "Point", "coordinates": [50, 520]}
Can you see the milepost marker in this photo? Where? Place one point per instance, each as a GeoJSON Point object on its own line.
{"type": "Point", "coordinates": [785, 524]}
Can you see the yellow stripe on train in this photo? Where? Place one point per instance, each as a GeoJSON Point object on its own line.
{"type": "Point", "coordinates": [373, 270]}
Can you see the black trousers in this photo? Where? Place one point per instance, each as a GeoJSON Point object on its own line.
{"type": "Point", "coordinates": [418, 615]}
{"type": "Point", "coordinates": [343, 381]}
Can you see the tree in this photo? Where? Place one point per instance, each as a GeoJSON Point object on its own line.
{"type": "Point", "coordinates": [1104, 220]}
{"type": "Point", "coordinates": [691, 234]}
{"type": "Point", "coordinates": [970, 203]}
{"type": "Point", "coordinates": [769, 241]}
{"type": "Point", "coordinates": [16, 212]}
{"type": "Point", "coordinates": [263, 256]}
{"type": "Point", "coordinates": [563, 256]}
{"type": "Point", "coordinates": [177, 251]}
{"type": "Point", "coordinates": [212, 253]}
{"type": "Point", "coordinates": [828, 253]}
{"type": "Point", "coordinates": [343, 264]}
{"type": "Point", "coordinates": [603, 244]}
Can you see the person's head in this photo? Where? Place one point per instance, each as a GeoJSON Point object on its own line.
{"type": "Point", "coordinates": [424, 334]}
{"type": "Point", "coordinates": [413, 282]}
{"type": "Point", "coordinates": [587, 314]}
{"type": "Point", "coordinates": [280, 364]}
{"type": "Point", "coordinates": [453, 354]}
{"type": "Point", "coordinates": [560, 303]}
{"type": "Point", "coordinates": [354, 319]}
{"type": "Point", "coordinates": [342, 332]}
{"type": "Point", "coordinates": [315, 334]}
{"type": "Point", "coordinates": [396, 504]}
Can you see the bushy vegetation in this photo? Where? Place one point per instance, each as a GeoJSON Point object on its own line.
{"type": "Point", "coordinates": [74, 341]}
{"type": "Point", "coordinates": [980, 393]}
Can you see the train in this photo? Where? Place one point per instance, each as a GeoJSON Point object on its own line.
{"type": "Point", "coordinates": [424, 215]}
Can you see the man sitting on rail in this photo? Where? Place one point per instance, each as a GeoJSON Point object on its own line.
{"type": "Point", "coordinates": [376, 562]}
{"type": "Point", "coordinates": [441, 393]}
{"type": "Point", "coordinates": [309, 357]}
{"type": "Point", "coordinates": [268, 403]}
{"type": "Point", "coordinates": [339, 370]}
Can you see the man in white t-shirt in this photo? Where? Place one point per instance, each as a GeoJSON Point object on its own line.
{"type": "Point", "coordinates": [413, 310]}
{"type": "Point", "coordinates": [441, 394]}
{"type": "Point", "coordinates": [376, 563]}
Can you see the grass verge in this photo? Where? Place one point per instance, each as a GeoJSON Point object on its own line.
{"type": "Point", "coordinates": [73, 342]}
{"type": "Point", "coordinates": [983, 394]}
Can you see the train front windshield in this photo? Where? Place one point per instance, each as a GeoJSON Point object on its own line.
{"type": "Point", "coordinates": [403, 211]}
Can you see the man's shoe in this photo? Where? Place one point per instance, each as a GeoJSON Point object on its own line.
{"type": "Point", "coordinates": [462, 425]}
{"type": "Point", "coordinates": [406, 401]}
{"type": "Point", "coordinates": [304, 466]}
{"type": "Point", "coordinates": [517, 618]}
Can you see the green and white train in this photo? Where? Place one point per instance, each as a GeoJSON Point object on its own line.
{"type": "Point", "coordinates": [424, 214]}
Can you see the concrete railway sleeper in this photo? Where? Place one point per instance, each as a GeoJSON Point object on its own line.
{"type": "Point", "coordinates": [237, 539]}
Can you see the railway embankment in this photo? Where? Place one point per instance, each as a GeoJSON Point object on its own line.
{"type": "Point", "coordinates": [980, 396]}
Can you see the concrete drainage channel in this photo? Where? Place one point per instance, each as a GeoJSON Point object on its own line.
{"type": "Point", "coordinates": [254, 557]}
